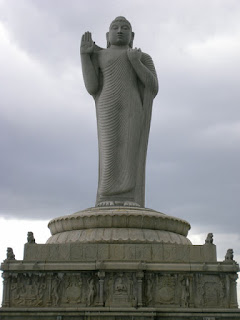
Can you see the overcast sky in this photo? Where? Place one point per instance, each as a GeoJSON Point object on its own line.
{"type": "Point", "coordinates": [48, 135]}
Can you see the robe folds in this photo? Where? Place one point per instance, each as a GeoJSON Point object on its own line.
{"type": "Point", "coordinates": [123, 108]}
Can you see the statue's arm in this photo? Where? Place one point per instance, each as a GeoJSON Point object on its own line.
{"type": "Point", "coordinates": [89, 70]}
{"type": "Point", "coordinates": [144, 68]}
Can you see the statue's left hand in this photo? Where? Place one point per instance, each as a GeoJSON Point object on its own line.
{"type": "Point", "coordinates": [134, 54]}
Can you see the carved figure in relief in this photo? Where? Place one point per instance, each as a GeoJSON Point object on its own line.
{"type": "Point", "coordinates": [15, 295]}
{"type": "Point", "coordinates": [10, 254]}
{"type": "Point", "coordinates": [123, 290]}
{"type": "Point", "coordinates": [123, 83]}
{"type": "Point", "coordinates": [30, 237]}
{"type": "Point", "coordinates": [229, 256]}
{"type": "Point", "coordinates": [209, 239]}
{"type": "Point", "coordinates": [120, 286]}
{"type": "Point", "coordinates": [18, 293]}
{"type": "Point", "coordinates": [91, 291]}
{"type": "Point", "coordinates": [40, 292]}
{"type": "Point", "coordinates": [55, 290]}
{"type": "Point", "coordinates": [185, 295]}
{"type": "Point", "coordinates": [149, 291]}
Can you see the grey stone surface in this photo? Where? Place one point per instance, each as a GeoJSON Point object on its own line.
{"type": "Point", "coordinates": [123, 83]}
{"type": "Point", "coordinates": [120, 284]}
{"type": "Point", "coordinates": [148, 252]}
{"type": "Point", "coordinates": [118, 235]}
{"type": "Point", "coordinates": [116, 280]}
{"type": "Point", "coordinates": [119, 224]}
{"type": "Point", "coordinates": [116, 314]}
{"type": "Point", "coordinates": [139, 279]}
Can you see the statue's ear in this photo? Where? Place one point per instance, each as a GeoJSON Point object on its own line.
{"type": "Point", "coordinates": [131, 42]}
{"type": "Point", "coordinates": [107, 37]}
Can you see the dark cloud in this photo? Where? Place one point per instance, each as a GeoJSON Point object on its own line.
{"type": "Point", "coordinates": [48, 126]}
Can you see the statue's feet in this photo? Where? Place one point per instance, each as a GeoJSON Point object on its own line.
{"type": "Point", "coordinates": [118, 203]}
{"type": "Point", "coordinates": [105, 204]}
{"type": "Point", "coordinates": [131, 204]}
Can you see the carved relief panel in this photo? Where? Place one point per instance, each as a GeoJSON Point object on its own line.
{"type": "Point", "coordinates": [121, 289]}
{"type": "Point", "coordinates": [72, 289]}
{"type": "Point", "coordinates": [28, 290]}
{"type": "Point", "coordinates": [79, 289]}
{"type": "Point", "coordinates": [210, 291]}
{"type": "Point", "coordinates": [128, 289]}
{"type": "Point", "coordinates": [165, 289]}
{"type": "Point", "coordinates": [53, 289]}
{"type": "Point", "coordinates": [160, 289]}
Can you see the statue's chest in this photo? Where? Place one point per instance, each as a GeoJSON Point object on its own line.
{"type": "Point", "coordinates": [107, 58]}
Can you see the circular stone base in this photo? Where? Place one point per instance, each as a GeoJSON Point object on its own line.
{"type": "Point", "coordinates": [118, 225]}
{"type": "Point", "coordinates": [118, 235]}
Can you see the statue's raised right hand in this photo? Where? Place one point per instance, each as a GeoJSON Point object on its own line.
{"type": "Point", "coordinates": [87, 44]}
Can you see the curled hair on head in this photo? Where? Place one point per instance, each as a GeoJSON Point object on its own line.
{"type": "Point", "coordinates": [121, 19]}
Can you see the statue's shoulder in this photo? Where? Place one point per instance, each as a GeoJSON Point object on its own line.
{"type": "Point", "coordinates": [98, 51]}
{"type": "Point", "coordinates": [95, 57]}
{"type": "Point", "coordinates": [96, 48]}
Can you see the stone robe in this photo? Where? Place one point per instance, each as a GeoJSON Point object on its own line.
{"type": "Point", "coordinates": [123, 107]}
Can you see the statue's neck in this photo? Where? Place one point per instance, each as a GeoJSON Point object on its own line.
{"type": "Point", "coordinates": [114, 47]}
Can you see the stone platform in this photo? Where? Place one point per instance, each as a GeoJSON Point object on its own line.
{"type": "Point", "coordinates": [93, 267]}
{"type": "Point", "coordinates": [119, 225]}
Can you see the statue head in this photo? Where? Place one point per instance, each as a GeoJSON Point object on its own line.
{"type": "Point", "coordinates": [120, 33]}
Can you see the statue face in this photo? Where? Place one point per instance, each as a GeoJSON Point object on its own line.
{"type": "Point", "coordinates": [120, 33]}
